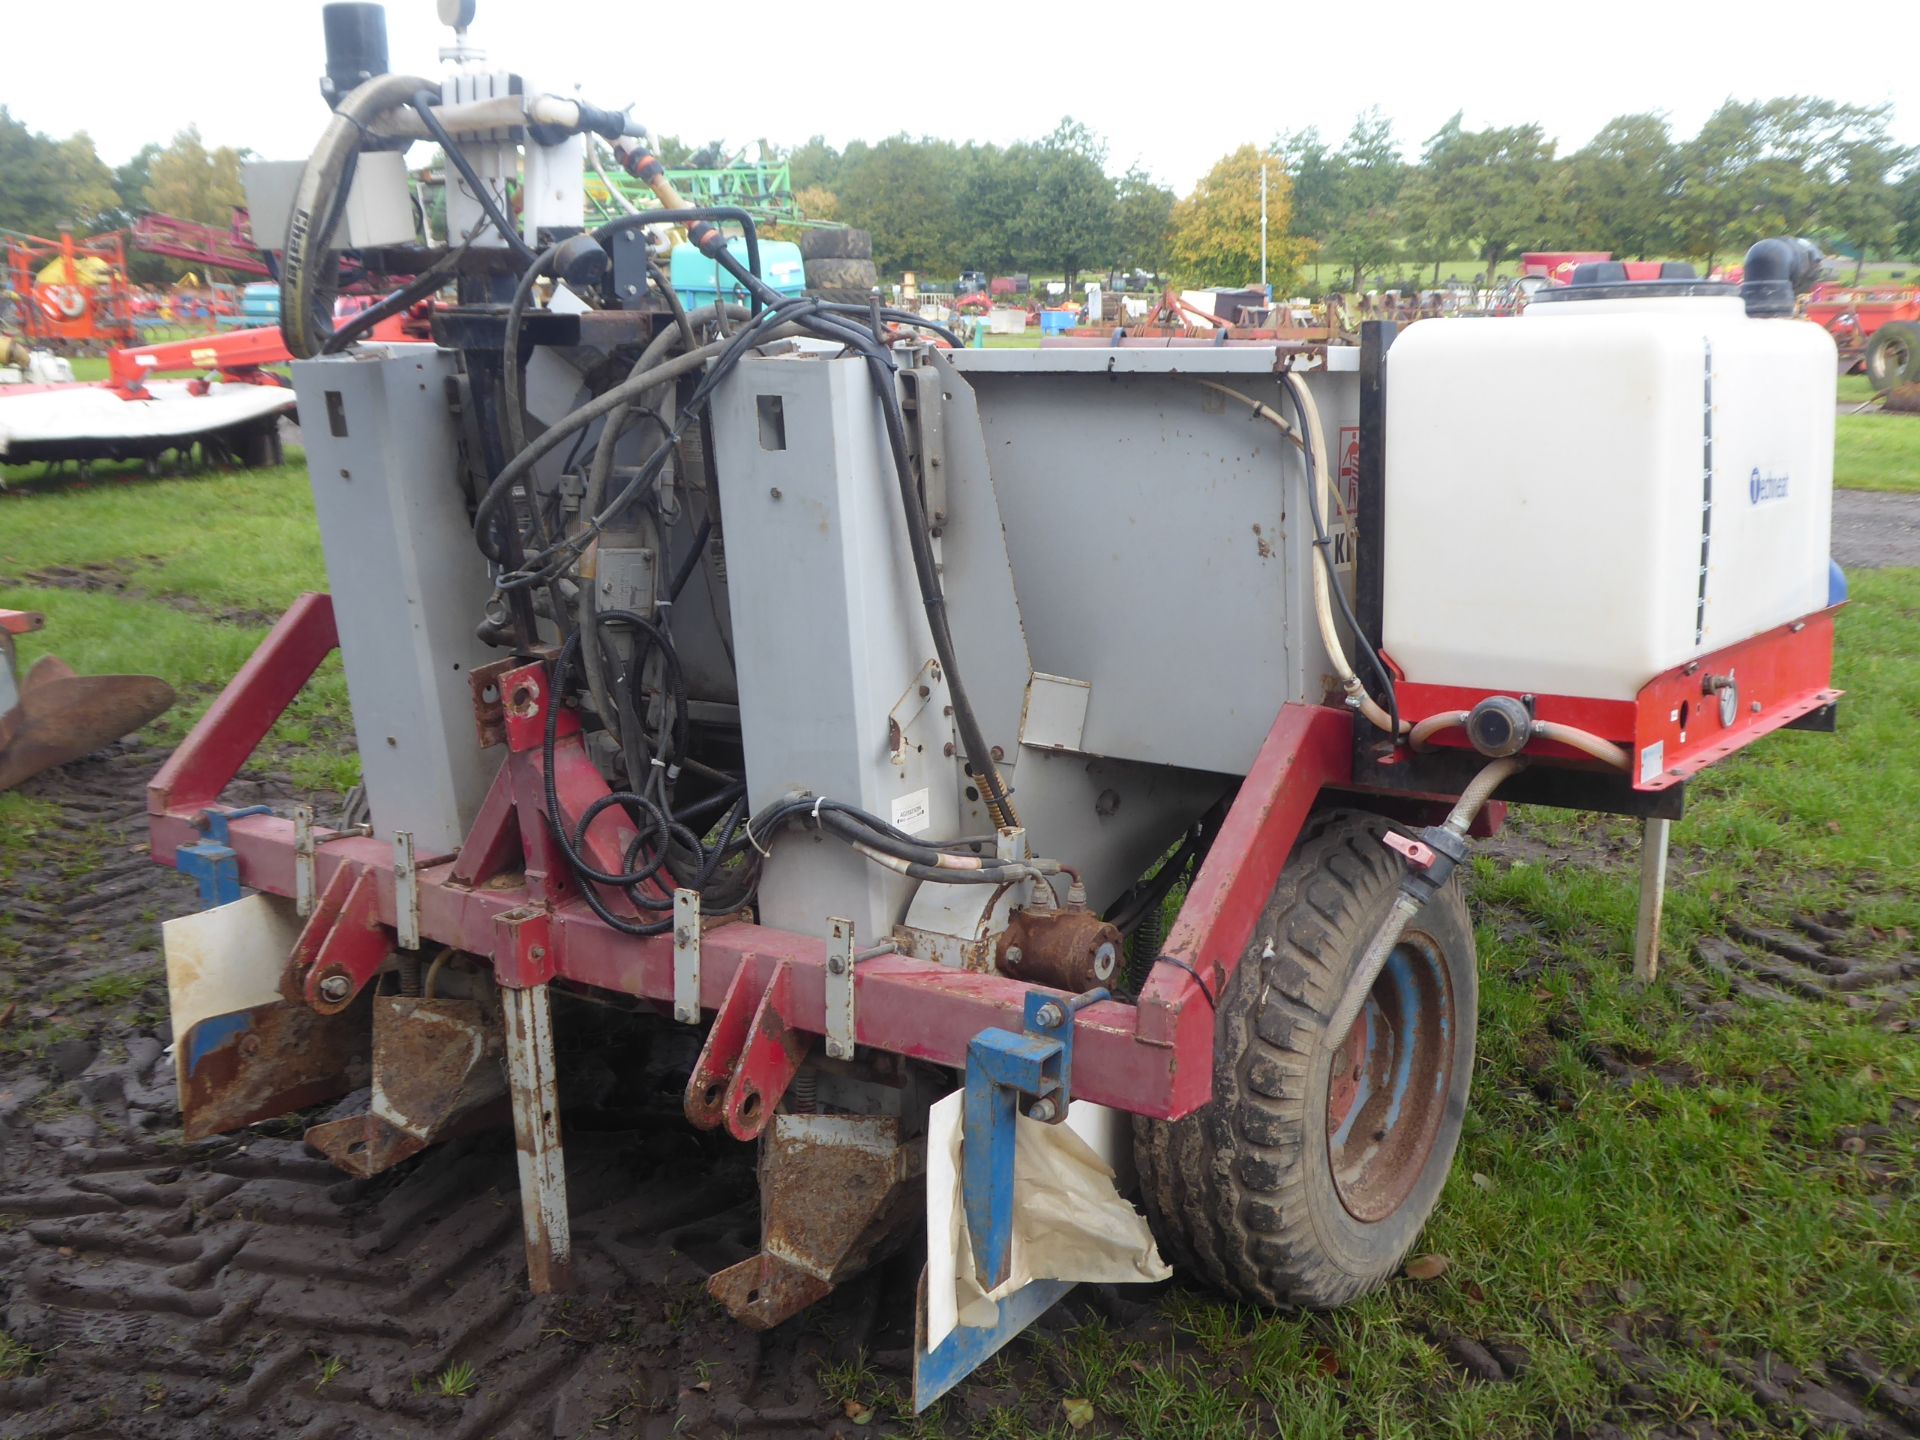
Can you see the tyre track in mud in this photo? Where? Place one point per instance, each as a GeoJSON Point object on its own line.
{"type": "Point", "coordinates": [245, 1287]}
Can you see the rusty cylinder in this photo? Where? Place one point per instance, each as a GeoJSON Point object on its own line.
{"type": "Point", "coordinates": [1071, 950]}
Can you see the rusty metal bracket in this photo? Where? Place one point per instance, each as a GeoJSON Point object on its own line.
{"type": "Point", "coordinates": [769, 1061]}
{"type": "Point", "coordinates": [343, 944]}
{"type": "Point", "coordinates": [751, 1056]}
{"type": "Point", "coordinates": [523, 948]}
{"type": "Point", "coordinates": [406, 891]}
{"type": "Point", "coordinates": [686, 956]}
{"type": "Point", "coordinates": [726, 1039]}
{"type": "Point", "coordinates": [839, 988]}
{"type": "Point", "coordinates": [436, 1072]}
{"type": "Point", "coordinates": [837, 1193]}
{"type": "Point", "coordinates": [489, 711]}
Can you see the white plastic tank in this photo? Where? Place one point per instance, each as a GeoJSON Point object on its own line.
{"type": "Point", "coordinates": [1604, 488]}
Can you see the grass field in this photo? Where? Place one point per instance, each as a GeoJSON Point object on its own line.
{"type": "Point", "coordinates": [1657, 1188]}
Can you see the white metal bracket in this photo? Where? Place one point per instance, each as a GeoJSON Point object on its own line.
{"type": "Point", "coordinates": [303, 855]}
{"type": "Point", "coordinates": [839, 986]}
{"type": "Point", "coordinates": [406, 891]}
{"type": "Point", "coordinates": [686, 956]}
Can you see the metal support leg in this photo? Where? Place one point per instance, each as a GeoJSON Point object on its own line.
{"type": "Point", "coordinates": [1653, 895]}
{"type": "Point", "coordinates": [536, 1134]}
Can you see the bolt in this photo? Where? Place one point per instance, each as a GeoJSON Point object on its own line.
{"type": "Point", "coordinates": [1043, 1110]}
{"type": "Point", "coordinates": [1015, 955]}
{"type": "Point", "coordinates": [998, 753]}
{"type": "Point", "coordinates": [335, 988]}
{"type": "Point", "coordinates": [1755, 707]}
{"type": "Point", "coordinates": [947, 749]}
{"type": "Point", "coordinates": [1049, 1016]}
{"type": "Point", "coordinates": [774, 492]}
{"type": "Point", "coordinates": [836, 965]}
{"type": "Point", "coordinates": [925, 692]}
{"type": "Point", "coordinates": [538, 952]}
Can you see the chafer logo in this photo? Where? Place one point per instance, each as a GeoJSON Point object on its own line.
{"type": "Point", "coordinates": [1762, 488]}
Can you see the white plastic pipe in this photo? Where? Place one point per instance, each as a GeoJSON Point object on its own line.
{"type": "Point", "coordinates": [478, 117]}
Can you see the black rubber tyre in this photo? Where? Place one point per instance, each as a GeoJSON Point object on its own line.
{"type": "Point", "coordinates": [856, 276]}
{"type": "Point", "coordinates": [836, 245]}
{"type": "Point", "coordinates": [1246, 1192]}
{"type": "Point", "coordinates": [1893, 356]}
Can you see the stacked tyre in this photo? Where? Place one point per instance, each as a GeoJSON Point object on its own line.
{"type": "Point", "coordinates": [1893, 356]}
{"type": "Point", "coordinates": [839, 264]}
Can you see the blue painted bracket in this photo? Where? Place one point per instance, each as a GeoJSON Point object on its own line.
{"type": "Point", "coordinates": [1002, 1068]}
{"type": "Point", "coordinates": [938, 1370]}
{"type": "Point", "coordinates": [211, 862]}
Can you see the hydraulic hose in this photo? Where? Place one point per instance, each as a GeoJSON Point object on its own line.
{"type": "Point", "coordinates": [1313, 443]}
{"type": "Point", "coordinates": [319, 200]}
{"type": "Point", "coordinates": [550, 438]}
{"type": "Point", "coordinates": [594, 146]}
{"type": "Point", "coordinates": [1446, 845]}
{"type": "Point", "coordinates": [602, 469]}
{"type": "Point", "coordinates": [427, 283]}
{"type": "Point", "coordinates": [1319, 493]}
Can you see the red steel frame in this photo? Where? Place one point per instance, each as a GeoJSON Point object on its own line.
{"type": "Point", "coordinates": [1153, 1058]}
{"type": "Point", "coordinates": [238, 354]}
{"type": "Point", "coordinates": [1672, 727]}
{"type": "Point", "coordinates": [510, 895]}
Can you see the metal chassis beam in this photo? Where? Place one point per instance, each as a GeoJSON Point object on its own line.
{"type": "Point", "coordinates": [1155, 1058]}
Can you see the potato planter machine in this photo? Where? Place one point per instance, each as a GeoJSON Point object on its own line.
{"type": "Point", "coordinates": [858, 705]}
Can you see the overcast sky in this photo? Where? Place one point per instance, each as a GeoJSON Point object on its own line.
{"type": "Point", "coordinates": [1169, 97]}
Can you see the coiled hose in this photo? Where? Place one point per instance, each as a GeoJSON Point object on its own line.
{"type": "Point", "coordinates": [319, 200]}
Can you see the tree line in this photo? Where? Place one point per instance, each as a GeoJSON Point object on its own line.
{"type": "Point", "coordinates": [1364, 208]}
{"type": "Point", "coordinates": [1795, 165]}
{"type": "Point", "coordinates": [1360, 207]}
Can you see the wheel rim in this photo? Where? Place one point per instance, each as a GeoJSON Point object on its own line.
{"type": "Point", "coordinates": [1388, 1085]}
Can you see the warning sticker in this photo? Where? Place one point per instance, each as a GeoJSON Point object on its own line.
{"type": "Point", "coordinates": [1350, 465]}
{"type": "Point", "coordinates": [910, 813]}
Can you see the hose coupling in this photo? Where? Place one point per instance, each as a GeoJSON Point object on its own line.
{"type": "Point", "coordinates": [1431, 858]}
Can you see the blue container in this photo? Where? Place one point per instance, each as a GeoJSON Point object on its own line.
{"type": "Point", "coordinates": [1057, 322]}
{"type": "Point", "coordinates": [259, 305]}
{"type": "Point", "coordinates": [701, 281]}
